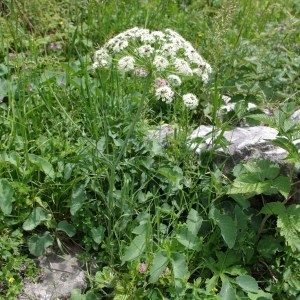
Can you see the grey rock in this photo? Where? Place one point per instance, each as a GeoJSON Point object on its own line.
{"type": "Point", "coordinates": [60, 275]}
{"type": "Point", "coordinates": [296, 115]}
{"type": "Point", "coordinates": [241, 142]}
{"type": "Point", "coordinates": [160, 134]}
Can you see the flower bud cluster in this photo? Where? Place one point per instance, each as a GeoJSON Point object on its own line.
{"type": "Point", "coordinates": [165, 54]}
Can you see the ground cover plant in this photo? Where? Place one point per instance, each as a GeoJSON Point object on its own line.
{"type": "Point", "coordinates": [83, 82]}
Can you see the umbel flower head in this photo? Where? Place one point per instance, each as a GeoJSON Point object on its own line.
{"type": "Point", "coordinates": [165, 54]}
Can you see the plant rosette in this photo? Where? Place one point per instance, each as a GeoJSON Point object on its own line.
{"type": "Point", "coordinates": [164, 54]}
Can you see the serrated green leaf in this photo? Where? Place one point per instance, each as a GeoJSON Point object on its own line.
{"type": "Point", "coordinates": [257, 188]}
{"type": "Point", "coordinates": [289, 226]}
{"type": "Point", "coordinates": [263, 169]}
{"type": "Point", "coordinates": [227, 291]}
{"type": "Point", "coordinates": [38, 243]}
{"type": "Point", "coordinates": [273, 208]}
{"type": "Point", "coordinates": [6, 196]}
{"type": "Point", "coordinates": [283, 185]}
{"type": "Point", "coordinates": [66, 228]}
{"type": "Point", "coordinates": [247, 283]}
{"type": "Point", "coordinates": [285, 144]}
{"type": "Point", "coordinates": [42, 164]}
{"type": "Point", "coordinates": [135, 249]}
{"type": "Point", "coordinates": [159, 264]}
{"type": "Point", "coordinates": [268, 120]}
{"type": "Point", "coordinates": [37, 216]}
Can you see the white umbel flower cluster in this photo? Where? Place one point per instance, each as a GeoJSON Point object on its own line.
{"type": "Point", "coordinates": [190, 101]}
{"type": "Point", "coordinates": [126, 63]}
{"type": "Point", "coordinates": [165, 94]}
{"type": "Point", "coordinates": [164, 54]}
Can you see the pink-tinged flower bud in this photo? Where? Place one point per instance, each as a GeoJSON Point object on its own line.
{"type": "Point", "coordinates": [143, 268]}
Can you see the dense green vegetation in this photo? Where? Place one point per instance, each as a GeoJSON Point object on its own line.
{"type": "Point", "coordinates": [153, 222]}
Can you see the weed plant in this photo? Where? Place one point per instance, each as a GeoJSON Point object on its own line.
{"type": "Point", "coordinates": [155, 221]}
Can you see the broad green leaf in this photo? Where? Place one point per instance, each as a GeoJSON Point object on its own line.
{"type": "Point", "coordinates": [180, 269]}
{"type": "Point", "coordinates": [77, 295]}
{"type": "Point", "coordinates": [140, 229]}
{"type": "Point", "coordinates": [37, 216]}
{"type": "Point", "coordinates": [187, 238]}
{"type": "Point", "coordinates": [227, 291]}
{"type": "Point", "coordinates": [228, 229]}
{"type": "Point", "coordinates": [273, 208]}
{"type": "Point", "coordinates": [157, 147]}
{"type": "Point", "coordinates": [98, 234]}
{"type": "Point", "coordinates": [11, 157]}
{"type": "Point", "coordinates": [247, 283]}
{"type": "Point", "coordinates": [78, 197]}
{"type": "Point", "coordinates": [260, 295]}
{"type": "Point", "coordinates": [42, 164]}
{"type": "Point", "coordinates": [38, 243]}
{"type": "Point", "coordinates": [159, 264]}
{"type": "Point", "coordinates": [283, 185]}
{"type": "Point", "coordinates": [194, 221]}
{"type": "Point", "coordinates": [66, 228]}
{"type": "Point", "coordinates": [6, 196]}
{"type": "Point", "coordinates": [172, 174]}
{"type": "Point", "coordinates": [268, 246]}
{"type": "Point", "coordinates": [135, 249]}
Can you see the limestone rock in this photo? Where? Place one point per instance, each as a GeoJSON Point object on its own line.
{"type": "Point", "coordinates": [60, 275]}
{"type": "Point", "coordinates": [242, 142]}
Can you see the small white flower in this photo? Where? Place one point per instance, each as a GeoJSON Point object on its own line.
{"type": "Point", "coordinates": [228, 107]}
{"type": "Point", "coordinates": [145, 50]}
{"type": "Point", "coordinates": [159, 36]}
{"type": "Point", "coordinates": [145, 36]}
{"type": "Point", "coordinates": [207, 67]}
{"type": "Point", "coordinates": [102, 58]}
{"type": "Point", "coordinates": [205, 78]}
{"type": "Point", "coordinates": [198, 72]}
{"type": "Point", "coordinates": [174, 80]}
{"type": "Point", "coordinates": [168, 49]}
{"type": "Point", "coordinates": [190, 101]}
{"type": "Point", "coordinates": [175, 37]}
{"type": "Point", "coordinates": [164, 94]}
{"type": "Point", "coordinates": [226, 99]}
{"type": "Point", "coordinates": [182, 67]}
{"type": "Point", "coordinates": [140, 72]}
{"type": "Point", "coordinates": [251, 105]}
{"type": "Point", "coordinates": [95, 65]}
{"type": "Point", "coordinates": [193, 56]}
{"type": "Point", "coordinates": [160, 63]}
{"type": "Point", "coordinates": [126, 63]}
{"type": "Point", "coordinates": [159, 82]}
{"type": "Point", "coordinates": [131, 33]}
{"type": "Point", "coordinates": [118, 45]}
